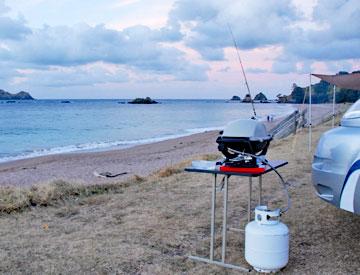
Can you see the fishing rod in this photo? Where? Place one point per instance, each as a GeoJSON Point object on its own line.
{"type": "Point", "coordinates": [242, 68]}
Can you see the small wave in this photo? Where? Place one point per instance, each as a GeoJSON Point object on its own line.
{"type": "Point", "coordinates": [202, 130]}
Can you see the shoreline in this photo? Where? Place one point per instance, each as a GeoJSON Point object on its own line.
{"type": "Point", "coordinates": [140, 160]}
{"type": "Point", "coordinates": [79, 167]}
{"type": "Point", "coordinates": [76, 129]}
{"type": "Point", "coordinates": [94, 147]}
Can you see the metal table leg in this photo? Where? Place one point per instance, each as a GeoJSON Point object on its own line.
{"type": "Point", "coordinates": [211, 260]}
{"type": "Point", "coordinates": [260, 189]}
{"type": "Point", "coordinates": [213, 208]}
{"type": "Point", "coordinates": [249, 199]}
{"type": "Point", "coordinates": [224, 230]}
{"type": "Point", "coordinates": [208, 261]}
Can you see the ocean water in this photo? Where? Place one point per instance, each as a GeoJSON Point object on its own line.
{"type": "Point", "coordinates": [43, 127]}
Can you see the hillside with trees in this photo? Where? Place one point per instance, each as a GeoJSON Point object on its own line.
{"type": "Point", "coordinates": [322, 92]}
{"type": "Point", "coordinates": [18, 96]}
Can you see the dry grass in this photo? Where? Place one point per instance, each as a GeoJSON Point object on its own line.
{"type": "Point", "coordinates": [167, 172]}
{"type": "Point", "coordinates": [150, 225]}
{"type": "Point", "coordinates": [179, 168]}
{"type": "Point", "coordinates": [16, 199]}
{"type": "Point", "coordinates": [210, 157]}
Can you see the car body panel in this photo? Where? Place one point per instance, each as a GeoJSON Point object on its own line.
{"type": "Point", "coordinates": [357, 195]}
{"type": "Point", "coordinates": [336, 164]}
{"type": "Point", "coordinates": [350, 189]}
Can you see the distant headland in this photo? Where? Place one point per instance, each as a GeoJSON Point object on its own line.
{"type": "Point", "coordinates": [19, 96]}
{"type": "Point", "coordinates": [322, 92]}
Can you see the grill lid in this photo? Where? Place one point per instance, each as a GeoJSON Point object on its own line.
{"type": "Point", "coordinates": [249, 128]}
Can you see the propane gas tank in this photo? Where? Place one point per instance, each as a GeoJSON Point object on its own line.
{"type": "Point", "coordinates": [267, 241]}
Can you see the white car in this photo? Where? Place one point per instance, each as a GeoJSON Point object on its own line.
{"type": "Point", "coordinates": [336, 164]}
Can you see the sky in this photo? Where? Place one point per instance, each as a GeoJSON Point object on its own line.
{"type": "Point", "coordinates": [173, 48]}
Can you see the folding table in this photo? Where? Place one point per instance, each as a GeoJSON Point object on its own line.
{"type": "Point", "coordinates": [275, 164]}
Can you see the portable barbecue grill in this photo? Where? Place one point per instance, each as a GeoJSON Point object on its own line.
{"type": "Point", "coordinates": [242, 142]}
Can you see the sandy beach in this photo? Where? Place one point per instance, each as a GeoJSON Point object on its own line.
{"type": "Point", "coordinates": [141, 160]}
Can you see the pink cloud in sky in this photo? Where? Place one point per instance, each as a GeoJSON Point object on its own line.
{"type": "Point", "coordinates": [172, 49]}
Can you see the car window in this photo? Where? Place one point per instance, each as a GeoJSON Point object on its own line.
{"type": "Point", "coordinates": [354, 111]}
{"type": "Point", "coordinates": [352, 117]}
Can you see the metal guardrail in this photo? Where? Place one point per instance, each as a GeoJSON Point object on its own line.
{"type": "Point", "coordinates": [324, 118]}
{"type": "Point", "coordinates": [289, 125]}
{"type": "Point", "coordinates": [299, 119]}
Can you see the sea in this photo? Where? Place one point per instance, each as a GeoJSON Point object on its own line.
{"type": "Point", "coordinates": [44, 127]}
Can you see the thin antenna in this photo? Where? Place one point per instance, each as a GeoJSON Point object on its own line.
{"type": "Point", "coordinates": [242, 68]}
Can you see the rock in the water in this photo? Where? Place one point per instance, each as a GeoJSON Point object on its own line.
{"type": "Point", "coordinates": [247, 99]}
{"type": "Point", "coordinates": [261, 97]}
{"type": "Point", "coordinates": [146, 100]}
{"type": "Point", "coordinates": [19, 96]}
{"type": "Point", "coordinates": [235, 98]}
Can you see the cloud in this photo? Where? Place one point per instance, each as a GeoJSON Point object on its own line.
{"type": "Point", "coordinates": [304, 67]}
{"type": "Point", "coordinates": [323, 47]}
{"type": "Point", "coordinates": [171, 32]}
{"type": "Point", "coordinates": [194, 72]}
{"type": "Point", "coordinates": [283, 67]}
{"type": "Point", "coordinates": [341, 18]}
{"type": "Point", "coordinates": [255, 23]}
{"type": "Point", "coordinates": [333, 38]}
{"type": "Point", "coordinates": [123, 3]}
{"type": "Point", "coordinates": [256, 70]}
{"type": "Point", "coordinates": [138, 47]}
{"type": "Point", "coordinates": [224, 69]}
{"type": "Point", "coordinates": [74, 76]}
{"type": "Point", "coordinates": [336, 37]}
{"type": "Point", "coordinates": [14, 29]}
{"type": "Point", "coordinates": [3, 8]}
{"type": "Point", "coordinates": [331, 32]}
{"type": "Point", "coordinates": [196, 32]}
{"type": "Point", "coordinates": [8, 71]}
{"type": "Point", "coordinates": [337, 66]}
